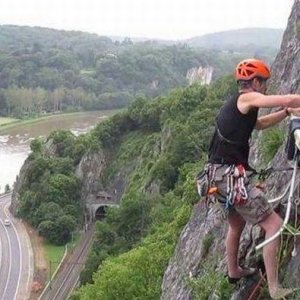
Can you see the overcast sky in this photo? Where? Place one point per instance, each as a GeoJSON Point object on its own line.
{"type": "Point", "coordinates": [167, 19]}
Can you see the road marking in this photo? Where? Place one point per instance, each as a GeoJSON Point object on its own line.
{"type": "Point", "coordinates": [0, 253]}
{"type": "Point", "coordinates": [6, 212]}
{"type": "Point", "coordinates": [9, 270]}
{"type": "Point", "coordinates": [5, 195]}
{"type": "Point", "coordinates": [30, 256]}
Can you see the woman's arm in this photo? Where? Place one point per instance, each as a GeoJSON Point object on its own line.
{"type": "Point", "coordinates": [276, 117]}
{"type": "Point", "coordinates": [271, 119]}
{"type": "Point", "coordinates": [250, 100]}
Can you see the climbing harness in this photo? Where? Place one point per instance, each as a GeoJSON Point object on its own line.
{"type": "Point", "coordinates": [236, 193]}
{"type": "Point", "coordinates": [236, 177]}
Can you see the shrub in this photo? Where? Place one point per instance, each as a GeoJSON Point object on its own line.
{"type": "Point", "coordinates": [271, 140]}
{"type": "Point", "coordinates": [210, 282]}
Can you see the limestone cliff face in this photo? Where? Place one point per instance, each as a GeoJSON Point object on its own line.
{"type": "Point", "coordinates": [89, 171]}
{"type": "Point", "coordinates": [18, 185]}
{"type": "Point", "coordinates": [188, 257]}
{"type": "Point", "coordinates": [190, 251]}
{"type": "Point", "coordinates": [285, 70]}
{"type": "Point", "coordinates": [203, 75]}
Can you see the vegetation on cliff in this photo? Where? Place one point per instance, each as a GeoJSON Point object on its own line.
{"type": "Point", "coordinates": [50, 195]}
{"type": "Point", "coordinates": [163, 144]}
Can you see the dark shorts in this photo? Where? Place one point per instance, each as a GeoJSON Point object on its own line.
{"type": "Point", "coordinates": [255, 209]}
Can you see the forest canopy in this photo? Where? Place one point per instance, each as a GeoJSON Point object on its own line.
{"type": "Point", "coordinates": [45, 70]}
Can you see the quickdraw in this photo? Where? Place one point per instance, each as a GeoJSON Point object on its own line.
{"type": "Point", "coordinates": [236, 192]}
{"type": "Point", "coordinates": [206, 181]}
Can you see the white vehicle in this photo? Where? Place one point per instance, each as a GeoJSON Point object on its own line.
{"type": "Point", "coordinates": [7, 222]}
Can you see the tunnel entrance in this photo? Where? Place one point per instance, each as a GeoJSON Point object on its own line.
{"type": "Point", "coordinates": [100, 213]}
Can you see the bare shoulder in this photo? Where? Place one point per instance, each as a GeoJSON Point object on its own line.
{"type": "Point", "coordinates": [247, 101]}
{"type": "Point", "coordinates": [254, 99]}
{"type": "Point", "coordinates": [249, 97]}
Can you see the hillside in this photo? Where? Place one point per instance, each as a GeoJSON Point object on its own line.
{"type": "Point", "coordinates": [239, 39]}
{"type": "Point", "coordinates": [147, 156]}
{"type": "Point", "coordinates": [66, 71]}
{"type": "Point", "coordinates": [46, 70]}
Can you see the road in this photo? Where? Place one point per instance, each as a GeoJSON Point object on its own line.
{"type": "Point", "coordinates": [16, 257]}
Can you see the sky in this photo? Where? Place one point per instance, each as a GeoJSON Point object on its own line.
{"type": "Point", "coordinates": [162, 19]}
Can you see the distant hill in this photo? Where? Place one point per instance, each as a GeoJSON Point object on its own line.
{"type": "Point", "coordinates": [18, 38]}
{"type": "Point", "coordinates": [72, 70]}
{"type": "Point", "coordinates": [239, 39]}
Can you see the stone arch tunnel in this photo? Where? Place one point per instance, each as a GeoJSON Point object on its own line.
{"type": "Point", "coordinates": [96, 206]}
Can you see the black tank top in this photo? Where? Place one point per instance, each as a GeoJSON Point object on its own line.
{"type": "Point", "coordinates": [230, 141]}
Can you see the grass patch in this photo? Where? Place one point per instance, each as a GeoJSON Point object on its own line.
{"type": "Point", "coordinates": [54, 255]}
{"type": "Point", "coordinates": [18, 122]}
{"type": "Point", "coordinates": [207, 242]}
{"type": "Point", "coordinates": [270, 143]}
{"type": "Point", "coordinates": [210, 282]}
{"type": "Point", "coordinates": [87, 72]}
{"type": "Point", "coordinates": [4, 120]}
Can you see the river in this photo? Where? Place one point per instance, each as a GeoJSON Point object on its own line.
{"type": "Point", "coordinates": [15, 141]}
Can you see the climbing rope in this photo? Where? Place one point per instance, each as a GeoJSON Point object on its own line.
{"type": "Point", "coordinates": [288, 209]}
{"type": "Point", "coordinates": [286, 228]}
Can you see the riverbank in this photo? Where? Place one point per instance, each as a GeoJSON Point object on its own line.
{"type": "Point", "coordinates": [5, 120]}
{"type": "Point", "coordinates": [15, 138]}
{"type": "Point", "coordinates": [8, 123]}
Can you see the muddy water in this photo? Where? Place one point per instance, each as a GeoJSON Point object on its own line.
{"type": "Point", "coordinates": [15, 142]}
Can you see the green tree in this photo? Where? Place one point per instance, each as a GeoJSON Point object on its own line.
{"type": "Point", "coordinates": [36, 146]}
{"type": "Point", "coordinates": [7, 189]}
{"type": "Point", "coordinates": [62, 189]}
{"type": "Point", "coordinates": [59, 231]}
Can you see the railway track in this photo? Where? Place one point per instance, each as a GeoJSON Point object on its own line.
{"type": "Point", "coordinates": [61, 286]}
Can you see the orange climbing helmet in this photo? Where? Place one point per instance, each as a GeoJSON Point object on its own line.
{"type": "Point", "coordinates": [250, 68]}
